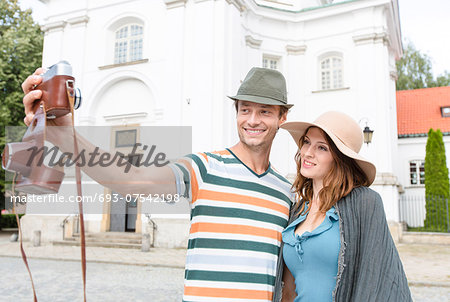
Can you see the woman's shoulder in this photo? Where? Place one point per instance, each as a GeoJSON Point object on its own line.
{"type": "Point", "coordinates": [363, 198]}
{"type": "Point", "coordinates": [363, 192]}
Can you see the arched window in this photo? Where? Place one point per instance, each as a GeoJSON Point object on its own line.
{"type": "Point", "coordinates": [128, 43]}
{"type": "Point", "coordinates": [331, 72]}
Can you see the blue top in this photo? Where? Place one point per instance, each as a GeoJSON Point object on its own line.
{"type": "Point", "coordinates": [312, 258]}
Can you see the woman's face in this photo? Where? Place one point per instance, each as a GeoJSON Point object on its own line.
{"type": "Point", "coordinates": [315, 156]}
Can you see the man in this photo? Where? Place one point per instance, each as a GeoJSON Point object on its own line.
{"type": "Point", "coordinates": [240, 204]}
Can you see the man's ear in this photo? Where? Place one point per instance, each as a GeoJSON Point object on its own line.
{"type": "Point", "coordinates": [283, 119]}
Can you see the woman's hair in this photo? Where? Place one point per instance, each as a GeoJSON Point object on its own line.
{"type": "Point", "coordinates": [344, 175]}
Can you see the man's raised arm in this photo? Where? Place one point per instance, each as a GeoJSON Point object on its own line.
{"type": "Point", "coordinates": [111, 170]}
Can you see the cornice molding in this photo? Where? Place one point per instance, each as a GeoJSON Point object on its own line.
{"type": "Point", "coordinates": [82, 20]}
{"type": "Point", "coordinates": [252, 42]}
{"type": "Point", "coordinates": [123, 64]}
{"type": "Point", "coordinates": [54, 26]}
{"type": "Point", "coordinates": [175, 3]}
{"type": "Point", "coordinates": [126, 116]}
{"type": "Point", "coordinates": [296, 49]}
{"type": "Point", "coordinates": [373, 38]}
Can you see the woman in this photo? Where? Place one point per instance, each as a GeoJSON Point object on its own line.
{"type": "Point", "coordinates": [337, 246]}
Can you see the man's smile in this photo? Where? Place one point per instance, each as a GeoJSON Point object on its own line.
{"type": "Point", "coordinates": [254, 131]}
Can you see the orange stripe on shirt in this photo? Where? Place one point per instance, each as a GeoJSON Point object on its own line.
{"type": "Point", "coordinates": [234, 229]}
{"type": "Point", "coordinates": [204, 155]}
{"type": "Point", "coordinates": [222, 152]}
{"type": "Point", "coordinates": [194, 183]}
{"type": "Point", "coordinates": [227, 293]}
{"type": "Point", "coordinates": [243, 199]}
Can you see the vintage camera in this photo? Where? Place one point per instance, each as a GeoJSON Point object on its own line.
{"type": "Point", "coordinates": [56, 83]}
{"type": "Point", "coordinates": [26, 157]}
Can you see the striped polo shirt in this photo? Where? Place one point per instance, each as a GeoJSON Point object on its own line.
{"type": "Point", "coordinates": [237, 218]}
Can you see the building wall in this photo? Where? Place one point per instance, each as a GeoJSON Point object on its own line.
{"type": "Point", "coordinates": [198, 52]}
{"type": "Point", "coordinates": [414, 148]}
{"type": "Point", "coordinates": [412, 200]}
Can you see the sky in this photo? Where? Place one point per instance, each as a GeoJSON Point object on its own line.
{"type": "Point", "coordinates": [426, 23]}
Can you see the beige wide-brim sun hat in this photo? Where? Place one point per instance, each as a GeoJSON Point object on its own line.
{"type": "Point", "coordinates": [343, 131]}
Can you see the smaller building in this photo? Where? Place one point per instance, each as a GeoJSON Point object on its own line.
{"type": "Point", "coordinates": [419, 110]}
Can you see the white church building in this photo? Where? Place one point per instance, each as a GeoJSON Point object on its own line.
{"type": "Point", "coordinates": [173, 62]}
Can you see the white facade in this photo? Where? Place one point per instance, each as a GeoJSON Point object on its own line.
{"type": "Point", "coordinates": [195, 53]}
{"type": "Point", "coordinates": [413, 195]}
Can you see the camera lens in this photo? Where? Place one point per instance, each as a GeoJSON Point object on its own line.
{"type": "Point", "coordinates": [77, 101]}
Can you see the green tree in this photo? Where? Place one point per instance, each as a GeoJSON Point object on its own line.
{"type": "Point", "coordinates": [21, 42]}
{"type": "Point", "coordinates": [414, 71]}
{"type": "Point", "coordinates": [437, 188]}
{"type": "Point", "coordinates": [443, 80]}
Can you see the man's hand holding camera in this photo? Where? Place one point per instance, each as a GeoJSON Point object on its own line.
{"type": "Point", "coordinates": [41, 90]}
{"type": "Point", "coordinates": [31, 100]}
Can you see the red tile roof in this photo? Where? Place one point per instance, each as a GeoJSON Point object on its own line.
{"type": "Point", "coordinates": [419, 110]}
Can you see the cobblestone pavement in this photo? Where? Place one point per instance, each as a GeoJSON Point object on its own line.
{"type": "Point", "coordinates": [58, 280]}
{"type": "Point", "coordinates": [426, 264]}
{"type": "Point", "coordinates": [131, 275]}
{"type": "Point", "coordinates": [430, 293]}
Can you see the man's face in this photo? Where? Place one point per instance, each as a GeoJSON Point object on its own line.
{"type": "Point", "coordinates": [257, 124]}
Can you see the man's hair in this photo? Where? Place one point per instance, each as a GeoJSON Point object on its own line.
{"type": "Point", "coordinates": [283, 109]}
{"type": "Point", "coordinates": [344, 175]}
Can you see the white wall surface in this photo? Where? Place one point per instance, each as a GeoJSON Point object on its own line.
{"type": "Point", "coordinates": [198, 52]}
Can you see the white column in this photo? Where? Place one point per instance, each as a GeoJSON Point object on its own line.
{"type": "Point", "coordinates": [375, 102]}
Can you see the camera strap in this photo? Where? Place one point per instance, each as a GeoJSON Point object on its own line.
{"type": "Point", "coordinates": [71, 96]}
{"type": "Point", "coordinates": [22, 251]}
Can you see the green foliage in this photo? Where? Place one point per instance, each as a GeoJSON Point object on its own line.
{"type": "Point", "coordinates": [8, 221]}
{"type": "Point", "coordinates": [414, 71]}
{"type": "Point", "coordinates": [436, 182]}
{"type": "Point", "coordinates": [443, 80]}
{"type": "Point", "coordinates": [21, 42]}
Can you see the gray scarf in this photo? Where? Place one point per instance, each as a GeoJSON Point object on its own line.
{"type": "Point", "coordinates": [369, 267]}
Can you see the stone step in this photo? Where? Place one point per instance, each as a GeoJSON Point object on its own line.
{"type": "Point", "coordinates": [98, 244]}
{"type": "Point", "coordinates": [112, 240]}
{"type": "Point", "coordinates": [116, 235]}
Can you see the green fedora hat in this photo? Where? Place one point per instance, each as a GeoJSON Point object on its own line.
{"type": "Point", "coordinates": [263, 86]}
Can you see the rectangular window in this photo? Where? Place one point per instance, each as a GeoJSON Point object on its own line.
{"type": "Point", "coordinates": [417, 172]}
{"type": "Point", "coordinates": [136, 50]}
{"type": "Point", "coordinates": [270, 62]}
{"type": "Point", "coordinates": [445, 111]}
{"type": "Point", "coordinates": [126, 138]}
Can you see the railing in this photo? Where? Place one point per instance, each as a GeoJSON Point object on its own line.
{"type": "Point", "coordinates": [425, 214]}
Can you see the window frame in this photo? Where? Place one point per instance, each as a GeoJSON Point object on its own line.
{"type": "Point", "coordinates": [129, 40]}
{"type": "Point", "coordinates": [445, 111]}
{"type": "Point", "coordinates": [419, 172]}
{"type": "Point", "coordinates": [331, 69]}
{"type": "Point", "coordinates": [270, 59]}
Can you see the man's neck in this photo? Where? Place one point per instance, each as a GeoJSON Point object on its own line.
{"type": "Point", "coordinates": [256, 159]}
